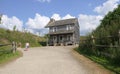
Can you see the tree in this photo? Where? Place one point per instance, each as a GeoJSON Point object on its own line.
{"type": "Point", "coordinates": [106, 33]}
{"type": "Point", "coordinates": [14, 28]}
{"type": "Point", "coordinates": [0, 18]}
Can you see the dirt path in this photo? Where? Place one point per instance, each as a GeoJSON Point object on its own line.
{"type": "Point", "coordinates": [52, 60]}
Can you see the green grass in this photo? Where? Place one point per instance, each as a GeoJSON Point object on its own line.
{"type": "Point", "coordinates": [7, 37]}
{"type": "Point", "coordinates": [6, 54]}
{"type": "Point", "coordinates": [107, 64]}
{"type": "Point", "coordinates": [7, 57]}
{"type": "Point", "coordinates": [102, 61]}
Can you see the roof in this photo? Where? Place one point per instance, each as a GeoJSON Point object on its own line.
{"type": "Point", "coordinates": [52, 22]}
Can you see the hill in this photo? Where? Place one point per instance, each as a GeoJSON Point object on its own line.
{"type": "Point", "coordinates": [7, 36]}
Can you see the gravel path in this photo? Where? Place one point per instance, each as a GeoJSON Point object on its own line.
{"type": "Point", "coordinates": [51, 60]}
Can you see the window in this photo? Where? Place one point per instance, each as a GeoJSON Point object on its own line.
{"type": "Point", "coordinates": [50, 29]}
{"type": "Point", "coordinates": [54, 29]}
{"type": "Point", "coordinates": [54, 39]}
{"type": "Point", "coordinates": [68, 27]}
{"type": "Point", "coordinates": [61, 37]}
{"type": "Point", "coordinates": [68, 37]}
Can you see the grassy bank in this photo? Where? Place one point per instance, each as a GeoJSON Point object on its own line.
{"type": "Point", "coordinates": [102, 61]}
{"type": "Point", "coordinates": [8, 36]}
{"type": "Point", "coordinates": [7, 57]}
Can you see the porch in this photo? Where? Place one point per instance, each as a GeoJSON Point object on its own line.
{"type": "Point", "coordinates": [61, 39]}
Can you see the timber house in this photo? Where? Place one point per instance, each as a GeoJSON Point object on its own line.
{"type": "Point", "coordinates": [63, 32]}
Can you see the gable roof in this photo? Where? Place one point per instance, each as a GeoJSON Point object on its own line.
{"type": "Point", "coordinates": [52, 22]}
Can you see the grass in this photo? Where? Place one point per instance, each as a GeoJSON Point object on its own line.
{"type": "Point", "coordinates": [7, 57]}
{"type": "Point", "coordinates": [7, 37]}
{"type": "Point", "coordinates": [102, 61]}
{"type": "Point", "coordinates": [107, 64]}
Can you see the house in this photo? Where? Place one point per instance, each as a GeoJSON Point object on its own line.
{"type": "Point", "coordinates": [63, 32]}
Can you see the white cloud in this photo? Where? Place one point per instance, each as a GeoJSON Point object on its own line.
{"type": "Point", "coordinates": [56, 16]}
{"type": "Point", "coordinates": [38, 22]}
{"type": "Point", "coordinates": [9, 23]}
{"type": "Point", "coordinates": [88, 22]}
{"type": "Point", "coordinates": [44, 0]}
{"type": "Point", "coordinates": [68, 16]}
{"type": "Point", "coordinates": [36, 25]}
{"type": "Point", "coordinates": [109, 5]}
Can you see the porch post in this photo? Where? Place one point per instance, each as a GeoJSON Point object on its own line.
{"type": "Point", "coordinates": [73, 39]}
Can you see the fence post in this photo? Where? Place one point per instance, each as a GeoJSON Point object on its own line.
{"type": "Point", "coordinates": [47, 42]}
{"type": "Point", "coordinates": [93, 39]}
{"type": "Point", "coordinates": [119, 37]}
{"type": "Point", "coordinates": [13, 47]}
{"type": "Point", "coordinates": [93, 43]}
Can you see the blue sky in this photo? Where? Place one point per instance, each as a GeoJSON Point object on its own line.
{"type": "Point", "coordinates": [34, 14]}
{"type": "Point", "coordinates": [24, 9]}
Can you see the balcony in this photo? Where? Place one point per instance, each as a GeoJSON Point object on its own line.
{"type": "Point", "coordinates": [61, 31]}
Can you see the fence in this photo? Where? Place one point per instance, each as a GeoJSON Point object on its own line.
{"type": "Point", "coordinates": [91, 43]}
{"type": "Point", "coordinates": [13, 47]}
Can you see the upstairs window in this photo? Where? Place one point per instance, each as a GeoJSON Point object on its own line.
{"type": "Point", "coordinates": [68, 27]}
{"type": "Point", "coordinates": [54, 29]}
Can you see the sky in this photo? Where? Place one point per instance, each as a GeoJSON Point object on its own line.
{"type": "Point", "coordinates": [33, 15]}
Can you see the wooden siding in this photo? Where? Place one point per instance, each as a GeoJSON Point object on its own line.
{"type": "Point", "coordinates": [64, 34]}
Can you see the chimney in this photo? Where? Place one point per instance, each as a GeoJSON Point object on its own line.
{"type": "Point", "coordinates": [52, 20]}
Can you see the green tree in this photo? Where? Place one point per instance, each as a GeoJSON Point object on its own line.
{"type": "Point", "coordinates": [106, 34]}
{"type": "Point", "coordinates": [14, 28]}
{"type": "Point", "coordinates": [0, 18]}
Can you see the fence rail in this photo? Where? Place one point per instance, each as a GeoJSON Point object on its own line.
{"type": "Point", "coordinates": [108, 46]}
{"type": "Point", "coordinates": [93, 43]}
{"type": "Point", "coordinates": [13, 46]}
{"type": "Point", "coordinates": [94, 39]}
{"type": "Point", "coordinates": [4, 45]}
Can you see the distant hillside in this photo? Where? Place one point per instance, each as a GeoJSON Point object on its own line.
{"type": "Point", "coordinates": [7, 36]}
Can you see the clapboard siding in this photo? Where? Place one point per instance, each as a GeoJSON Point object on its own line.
{"type": "Point", "coordinates": [63, 32]}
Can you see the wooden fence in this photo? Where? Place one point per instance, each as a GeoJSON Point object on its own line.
{"type": "Point", "coordinates": [93, 39]}
{"type": "Point", "coordinates": [13, 47]}
{"type": "Point", "coordinates": [92, 43]}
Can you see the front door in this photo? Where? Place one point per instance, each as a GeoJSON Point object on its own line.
{"type": "Point", "coordinates": [54, 39]}
{"type": "Point", "coordinates": [61, 38]}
